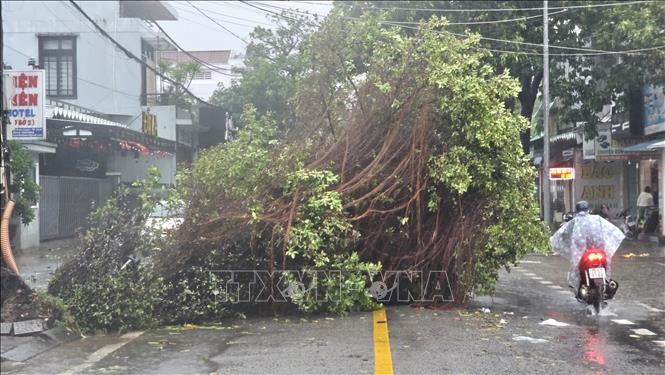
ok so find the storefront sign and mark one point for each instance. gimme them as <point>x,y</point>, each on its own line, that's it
<point>599,183</point>
<point>562,174</point>
<point>26,106</point>
<point>654,109</point>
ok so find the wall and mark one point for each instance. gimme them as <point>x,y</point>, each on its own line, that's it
<point>166,121</point>
<point>662,190</point>
<point>29,234</point>
<point>108,81</point>
<point>136,168</point>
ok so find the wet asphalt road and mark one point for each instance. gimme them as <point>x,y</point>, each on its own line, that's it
<point>507,340</point>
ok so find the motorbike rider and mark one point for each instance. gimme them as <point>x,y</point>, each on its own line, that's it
<point>582,232</point>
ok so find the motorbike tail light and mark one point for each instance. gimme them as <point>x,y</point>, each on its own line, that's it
<point>594,256</point>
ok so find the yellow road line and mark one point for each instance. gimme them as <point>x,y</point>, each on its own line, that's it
<point>383,359</point>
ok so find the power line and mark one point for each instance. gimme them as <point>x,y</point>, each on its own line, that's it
<point>593,52</point>
<point>77,76</point>
<point>132,56</point>
<point>217,23</point>
<point>203,63</point>
<point>515,9</point>
<point>484,22</point>
<point>225,15</point>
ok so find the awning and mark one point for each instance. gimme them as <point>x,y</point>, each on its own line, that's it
<point>647,146</point>
<point>657,145</point>
<point>55,128</point>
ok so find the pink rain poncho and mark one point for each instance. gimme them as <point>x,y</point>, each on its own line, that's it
<point>583,232</point>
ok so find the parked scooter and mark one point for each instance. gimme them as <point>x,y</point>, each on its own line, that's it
<point>629,225</point>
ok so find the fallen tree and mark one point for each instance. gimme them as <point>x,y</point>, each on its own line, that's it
<point>402,156</point>
<point>403,152</point>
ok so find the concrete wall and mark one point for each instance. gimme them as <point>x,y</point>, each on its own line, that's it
<point>166,121</point>
<point>132,168</point>
<point>108,81</point>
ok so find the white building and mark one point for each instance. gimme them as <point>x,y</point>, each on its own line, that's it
<point>217,70</point>
<point>99,114</point>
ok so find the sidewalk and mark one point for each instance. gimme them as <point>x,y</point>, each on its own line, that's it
<point>38,264</point>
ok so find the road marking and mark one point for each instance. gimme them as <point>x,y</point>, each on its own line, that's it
<point>530,274</point>
<point>530,261</point>
<point>383,360</point>
<point>659,343</point>
<point>652,309</point>
<point>643,332</point>
<point>102,352</point>
<point>662,264</point>
<point>564,291</point>
<point>623,322</point>
<point>545,282</point>
<point>555,287</point>
<point>537,278</point>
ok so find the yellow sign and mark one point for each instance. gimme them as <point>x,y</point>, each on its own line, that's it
<point>562,174</point>
<point>149,124</point>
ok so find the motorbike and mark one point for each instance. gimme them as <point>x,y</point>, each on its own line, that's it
<point>594,287</point>
<point>589,242</point>
<point>629,226</point>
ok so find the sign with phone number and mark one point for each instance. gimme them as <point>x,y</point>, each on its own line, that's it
<point>562,174</point>
<point>25,90</point>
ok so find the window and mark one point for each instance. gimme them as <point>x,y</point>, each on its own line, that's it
<point>57,56</point>
<point>203,74</point>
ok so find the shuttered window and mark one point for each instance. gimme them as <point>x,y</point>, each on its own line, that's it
<point>57,56</point>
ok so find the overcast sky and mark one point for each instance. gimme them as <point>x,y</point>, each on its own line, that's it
<point>194,32</point>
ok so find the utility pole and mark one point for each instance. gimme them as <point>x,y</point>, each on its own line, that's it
<point>547,199</point>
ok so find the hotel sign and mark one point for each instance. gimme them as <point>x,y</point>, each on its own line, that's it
<point>25,109</point>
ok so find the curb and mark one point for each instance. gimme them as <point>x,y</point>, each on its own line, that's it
<point>43,342</point>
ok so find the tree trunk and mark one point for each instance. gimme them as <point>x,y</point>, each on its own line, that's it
<point>527,98</point>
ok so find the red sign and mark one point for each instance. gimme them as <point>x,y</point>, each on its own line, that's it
<point>562,174</point>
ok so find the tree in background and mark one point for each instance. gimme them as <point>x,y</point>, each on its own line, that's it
<point>24,188</point>
<point>583,82</point>
<point>274,63</point>
<point>183,73</point>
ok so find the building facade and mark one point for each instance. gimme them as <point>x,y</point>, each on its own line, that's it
<point>100,128</point>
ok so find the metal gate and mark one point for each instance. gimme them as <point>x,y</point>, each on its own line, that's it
<point>65,202</point>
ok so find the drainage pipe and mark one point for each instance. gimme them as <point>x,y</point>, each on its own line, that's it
<point>7,255</point>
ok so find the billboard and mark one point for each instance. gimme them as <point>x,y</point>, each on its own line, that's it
<point>25,92</point>
<point>654,109</point>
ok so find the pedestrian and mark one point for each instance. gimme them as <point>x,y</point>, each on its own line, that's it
<point>605,212</point>
<point>644,201</point>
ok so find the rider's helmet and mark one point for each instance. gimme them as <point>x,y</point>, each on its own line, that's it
<point>582,206</point>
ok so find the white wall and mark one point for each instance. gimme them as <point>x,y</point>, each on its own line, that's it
<point>108,81</point>
<point>133,169</point>
<point>661,198</point>
<point>29,234</point>
<point>203,88</point>
<point>166,121</point>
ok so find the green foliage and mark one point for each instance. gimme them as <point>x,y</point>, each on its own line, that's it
<point>105,286</point>
<point>316,242</point>
<point>24,189</point>
<point>274,62</point>
<point>183,73</point>
<point>120,302</point>
<point>583,83</point>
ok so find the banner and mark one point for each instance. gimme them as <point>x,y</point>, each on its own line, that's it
<point>26,105</point>
<point>654,109</point>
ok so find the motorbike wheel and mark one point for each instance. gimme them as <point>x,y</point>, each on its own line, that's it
<point>599,286</point>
